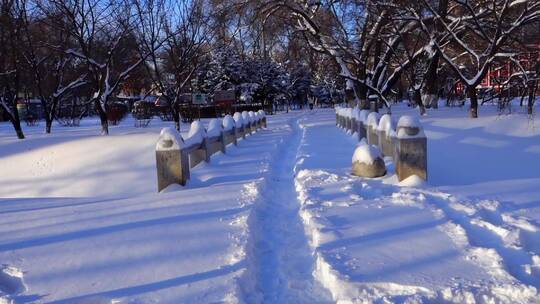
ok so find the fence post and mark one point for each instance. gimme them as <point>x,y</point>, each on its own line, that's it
<point>169,161</point>
<point>385,132</point>
<point>373,123</point>
<point>411,149</point>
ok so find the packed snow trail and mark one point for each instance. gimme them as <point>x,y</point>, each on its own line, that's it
<point>281,263</point>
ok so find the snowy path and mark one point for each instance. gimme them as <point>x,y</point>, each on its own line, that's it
<point>282,262</point>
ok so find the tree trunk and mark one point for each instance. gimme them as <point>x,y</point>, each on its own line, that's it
<point>18,129</point>
<point>532,93</point>
<point>417,98</point>
<point>16,121</point>
<point>102,117</point>
<point>471,91</point>
<point>48,124</point>
<point>176,117</point>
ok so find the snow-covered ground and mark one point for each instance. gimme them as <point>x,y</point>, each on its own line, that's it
<point>278,219</point>
<point>450,240</point>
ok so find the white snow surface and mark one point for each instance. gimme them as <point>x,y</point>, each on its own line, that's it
<point>277,219</point>
<point>380,241</point>
<point>80,230</point>
<point>366,154</point>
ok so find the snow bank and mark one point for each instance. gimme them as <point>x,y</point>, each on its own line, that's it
<point>228,123</point>
<point>238,120</point>
<point>196,134</point>
<point>169,139</point>
<point>366,154</point>
<point>373,120</point>
<point>214,127</point>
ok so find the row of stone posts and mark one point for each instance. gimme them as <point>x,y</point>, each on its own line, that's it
<point>405,142</point>
<point>175,156</point>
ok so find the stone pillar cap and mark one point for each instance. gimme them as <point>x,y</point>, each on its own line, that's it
<point>169,140</point>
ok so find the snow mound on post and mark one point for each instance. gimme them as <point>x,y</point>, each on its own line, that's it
<point>228,122</point>
<point>408,121</point>
<point>214,128</point>
<point>245,117</point>
<point>169,139</point>
<point>373,120</point>
<point>239,121</point>
<point>386,124</point>
<point>356,113</point>
<point>349,112</point>
<point>366,154</point>
<point>261,112</point>
<point>252,117</point>
<point>196,134</point>
<point>363,115</point>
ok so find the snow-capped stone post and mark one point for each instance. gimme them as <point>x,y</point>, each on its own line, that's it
<point>247,122</point>
<point>339,113</point>
<point>372,125</point>
<point>362,124</point>
<point>252,121</point>
<point>411,148</point>
<point>348,124</point>
<point>229,130</point>
<point>196,144</point>
<point>239,122</point>
<point>367,161</point>
<point>386,133</point>
<point>263,115</point>
<point>354,116</point>
<point>215,141</point>
<point>172,165</point>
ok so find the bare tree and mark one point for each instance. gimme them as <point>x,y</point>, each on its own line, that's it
<point>106,41</point>
<point>479,32</point>
<point>54,73</point>
<point>11,69</point>
<point>176,38</point>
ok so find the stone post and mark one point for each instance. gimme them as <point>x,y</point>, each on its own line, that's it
<point>373,103</point>
<point>171,166</point>
<point>411,149</point>
<point>222,141</point>
<point>372,124</point>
